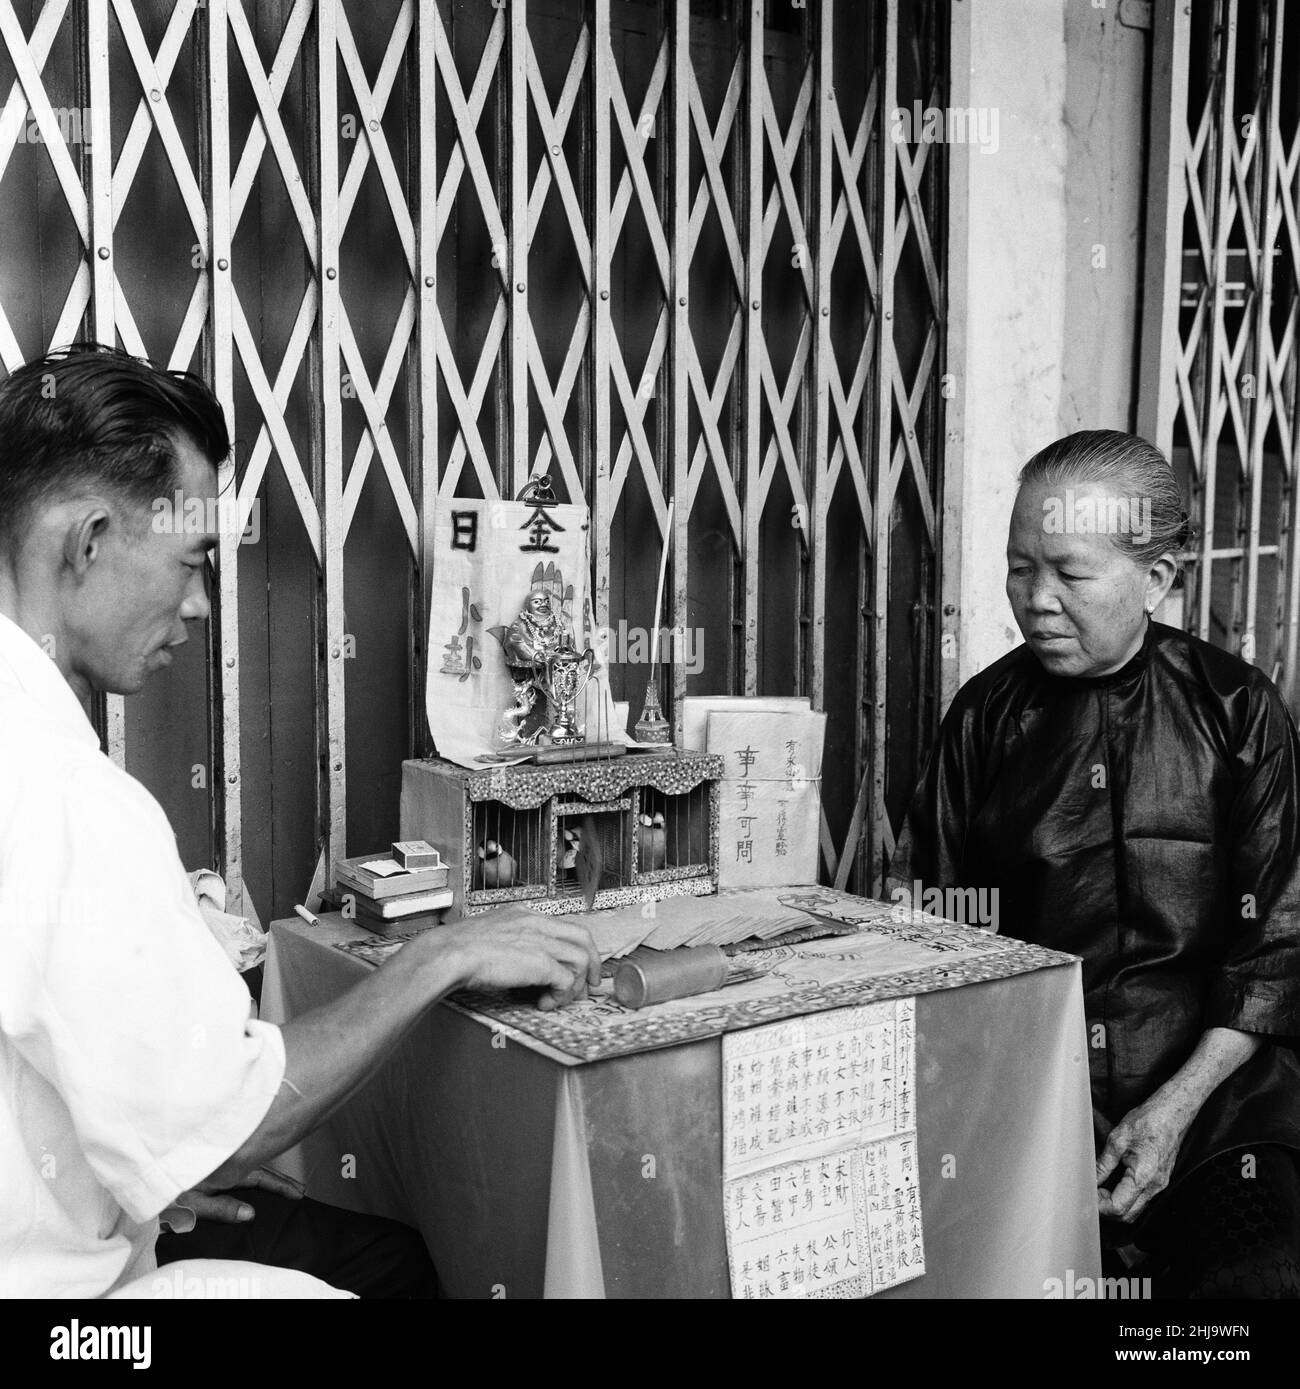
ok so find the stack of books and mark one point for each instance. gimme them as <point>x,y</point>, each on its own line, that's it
<point>403,891</point>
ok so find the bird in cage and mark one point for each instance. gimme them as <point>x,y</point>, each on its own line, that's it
<point>498,865</point>
<point>652,844</point>
<point>569,845</point>
<point>589,862</point>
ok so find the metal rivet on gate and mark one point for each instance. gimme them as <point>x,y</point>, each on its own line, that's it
<point>223,264</point>
<point>155,95</point>
<point>520,286</point>
<point>428,282</point>
<point>331,274</point>
<point>338,766</point>
<point>889,313</point>
<point>555,149</point>
<point>682,301</point>
<point>335,653</point>
<point>604,294</point>
<point>230,662</point>
<point>103,253</point>
<point>374,125</point>
<point>756,303</point>
<point>826,308</point>
<point>233,778</point>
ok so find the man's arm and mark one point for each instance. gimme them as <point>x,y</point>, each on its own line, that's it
<point>331,1051</point>
<point>1147,1139</point>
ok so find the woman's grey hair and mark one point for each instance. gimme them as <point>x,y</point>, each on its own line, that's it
<point>1130,468</point>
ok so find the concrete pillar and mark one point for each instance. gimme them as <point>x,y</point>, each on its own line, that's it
<point>1044,259</point>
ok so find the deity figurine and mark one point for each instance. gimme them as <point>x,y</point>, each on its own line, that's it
<point>536,634</point>
<point>538,630</point>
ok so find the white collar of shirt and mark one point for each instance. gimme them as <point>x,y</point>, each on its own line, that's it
<point>26,667</point>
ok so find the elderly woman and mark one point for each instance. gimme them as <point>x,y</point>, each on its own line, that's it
<point>1133,794</point>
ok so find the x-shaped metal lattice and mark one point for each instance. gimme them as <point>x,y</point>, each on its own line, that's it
<point>1229,372</point>
<point>741,394</point>
<point>28,96</point>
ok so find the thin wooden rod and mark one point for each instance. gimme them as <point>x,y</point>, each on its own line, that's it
<point>1211,415</point>
<point>519,238</point>
<point>604,75</point>
<point>429,321</point>
<point>227,783</point>
<point>755,90</point>
<point>330,714</point>
<point>680,290</point>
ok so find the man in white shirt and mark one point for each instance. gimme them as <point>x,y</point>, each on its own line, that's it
<point>130,1070</point>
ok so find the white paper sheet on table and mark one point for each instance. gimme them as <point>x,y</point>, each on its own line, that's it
<point>715,920</point>
<point>721,919</point>
<point>820,1183</point>
<point>383,867</point>
<point>884,946</point>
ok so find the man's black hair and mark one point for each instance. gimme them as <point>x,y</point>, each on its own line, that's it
<point>87,417</point>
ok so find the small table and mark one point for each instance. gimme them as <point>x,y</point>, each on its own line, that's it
<point>531,1178</point>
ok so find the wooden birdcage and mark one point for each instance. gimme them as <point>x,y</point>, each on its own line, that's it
<point>503,834</point>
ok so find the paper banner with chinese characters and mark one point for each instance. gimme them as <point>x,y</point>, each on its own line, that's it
<point>490,557</point>
<point>821,1189</point>
<point>770,797</point>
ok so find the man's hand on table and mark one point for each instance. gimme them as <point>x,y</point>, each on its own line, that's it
<point>332,1050</point>
<point>521,949</point>
<point>219,1206</point>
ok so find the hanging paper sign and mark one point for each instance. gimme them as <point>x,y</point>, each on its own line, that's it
<point>509,580</point>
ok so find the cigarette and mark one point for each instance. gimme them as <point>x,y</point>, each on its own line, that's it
<point>307,916</point>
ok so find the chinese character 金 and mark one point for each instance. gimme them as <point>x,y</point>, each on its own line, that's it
<point>539,527</point>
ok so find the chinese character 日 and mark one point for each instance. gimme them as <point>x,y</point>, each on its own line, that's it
<point>464,530</point>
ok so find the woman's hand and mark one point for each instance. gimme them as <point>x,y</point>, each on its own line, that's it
<point>1145,1144</point>
<point>1147,1139</point>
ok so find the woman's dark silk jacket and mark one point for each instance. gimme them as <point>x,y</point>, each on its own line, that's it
<point>1148,821</point>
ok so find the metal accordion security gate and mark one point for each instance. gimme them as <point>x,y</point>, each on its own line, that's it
<point>1222,309</point>
<point>672,251</point>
